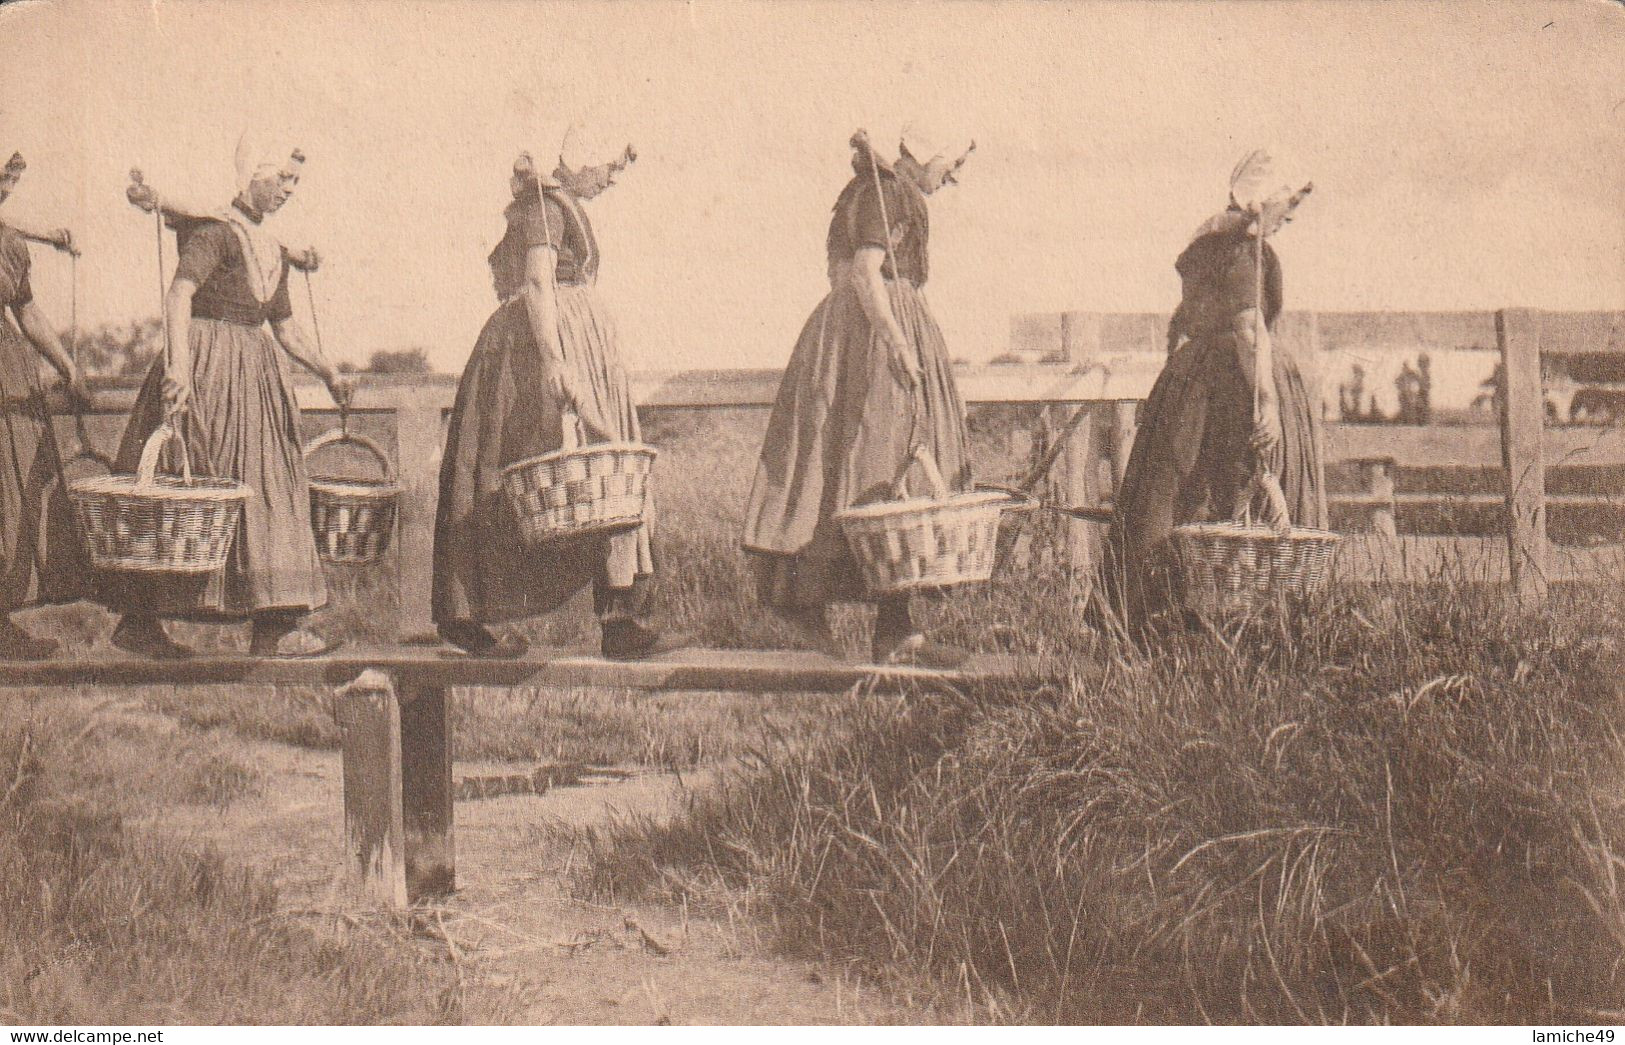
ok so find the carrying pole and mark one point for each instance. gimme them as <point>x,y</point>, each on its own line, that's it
<point>917,392</point>
<point>163,310</point>
<point>316,330</point>
<point>73,309</point>
<point>73,346</point>
<point>1260,331</point>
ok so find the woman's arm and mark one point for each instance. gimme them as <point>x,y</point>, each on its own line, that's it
<point>1176,328</point>
<point>869,280</point>
<point>178,358</point>
<point>1255,358</point>
<point>291,336</point>
<point>147,198</point>
<point>1245,327</point>
<point>178,211</point>
<point>38,330</point>
<point>60,238</point>
<point>542,307</point>
<point>541,296</point>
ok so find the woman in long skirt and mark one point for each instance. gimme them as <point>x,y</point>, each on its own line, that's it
<point>869,378</point>
<point>42,559</point>
<point>1198,438</point>
<point>225,386</point>
<point>548,351</point>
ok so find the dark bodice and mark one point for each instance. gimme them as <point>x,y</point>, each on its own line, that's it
<point>211,256</point>
<point>1220,279</point>
<point>553,219</point>
<point>858,223</point>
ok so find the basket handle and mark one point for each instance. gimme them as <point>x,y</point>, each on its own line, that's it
<point>933,475</point>
<point>1266,488</point>
<point>85,453</point>
<point>335,436</point>
<point>573,434</point>
<point>147,470</point>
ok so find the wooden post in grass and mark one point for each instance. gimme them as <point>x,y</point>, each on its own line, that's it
<point>1123,426</point>
<point>370,736</point>
<point>1379,482</point>
<point>426,789</point>
<point>417,426</point>
<point>1080,342</point>
<point>1523,424</point>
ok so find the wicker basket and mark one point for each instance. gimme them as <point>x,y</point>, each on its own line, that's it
<point>938,541</point>
<point>153,523</point>
<point>353,519</point>
<point>1230,569</point>
<point>579,490</point>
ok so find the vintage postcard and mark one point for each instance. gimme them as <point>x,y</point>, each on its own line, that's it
<point>735,513</point>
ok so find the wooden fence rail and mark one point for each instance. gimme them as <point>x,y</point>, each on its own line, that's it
<point>1107,379</point>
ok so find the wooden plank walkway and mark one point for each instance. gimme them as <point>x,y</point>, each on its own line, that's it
<point>756,671</point>
<point>393,702</point>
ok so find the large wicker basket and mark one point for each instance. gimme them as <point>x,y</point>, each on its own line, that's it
<point>1231,569</point>
<point>579,490</point>
<point>912,543</point>
<point>153,523</point>
<point>353,518</point>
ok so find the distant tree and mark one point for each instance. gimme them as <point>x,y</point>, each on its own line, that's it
<point>404,361</point>
<point>1424,391</point>
<point>1492,390</point>
<point>128,349</point>
<point>1350,393</point>
<point>121,349</point>
<point>1408,388</point>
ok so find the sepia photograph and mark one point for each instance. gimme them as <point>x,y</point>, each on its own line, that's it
<point>727,513</point>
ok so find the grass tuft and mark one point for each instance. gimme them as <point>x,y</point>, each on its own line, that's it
<point>1395,807</point>
<point>101,924</point>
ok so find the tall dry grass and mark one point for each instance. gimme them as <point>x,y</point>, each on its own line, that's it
<point>1392,807</point>
<point>104,920</point>
<point>526,723</point>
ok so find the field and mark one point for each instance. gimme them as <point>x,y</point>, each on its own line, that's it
<point>1397,806</point>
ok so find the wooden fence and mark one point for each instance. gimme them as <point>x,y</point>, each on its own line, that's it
<point>1107,379</point>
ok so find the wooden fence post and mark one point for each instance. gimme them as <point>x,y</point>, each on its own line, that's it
<point>418,422</point>
<point>1379,482</point>
<point>1523,424</point>
<point>1123,426</point>
<point>1080,342</point>
<point>426,790</point>
<point>370,737</point>
<point>1299,333</point>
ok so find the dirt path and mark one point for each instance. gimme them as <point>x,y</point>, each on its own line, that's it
<point>516,927</point>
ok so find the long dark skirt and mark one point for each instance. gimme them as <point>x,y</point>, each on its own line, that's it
<point>483,569</point>
<point>41,554</point>
<point>243,424</point>
<point>839,434</point>
<point>1192,458</point>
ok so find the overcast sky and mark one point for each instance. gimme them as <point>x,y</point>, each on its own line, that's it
<point>1465,155</point>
